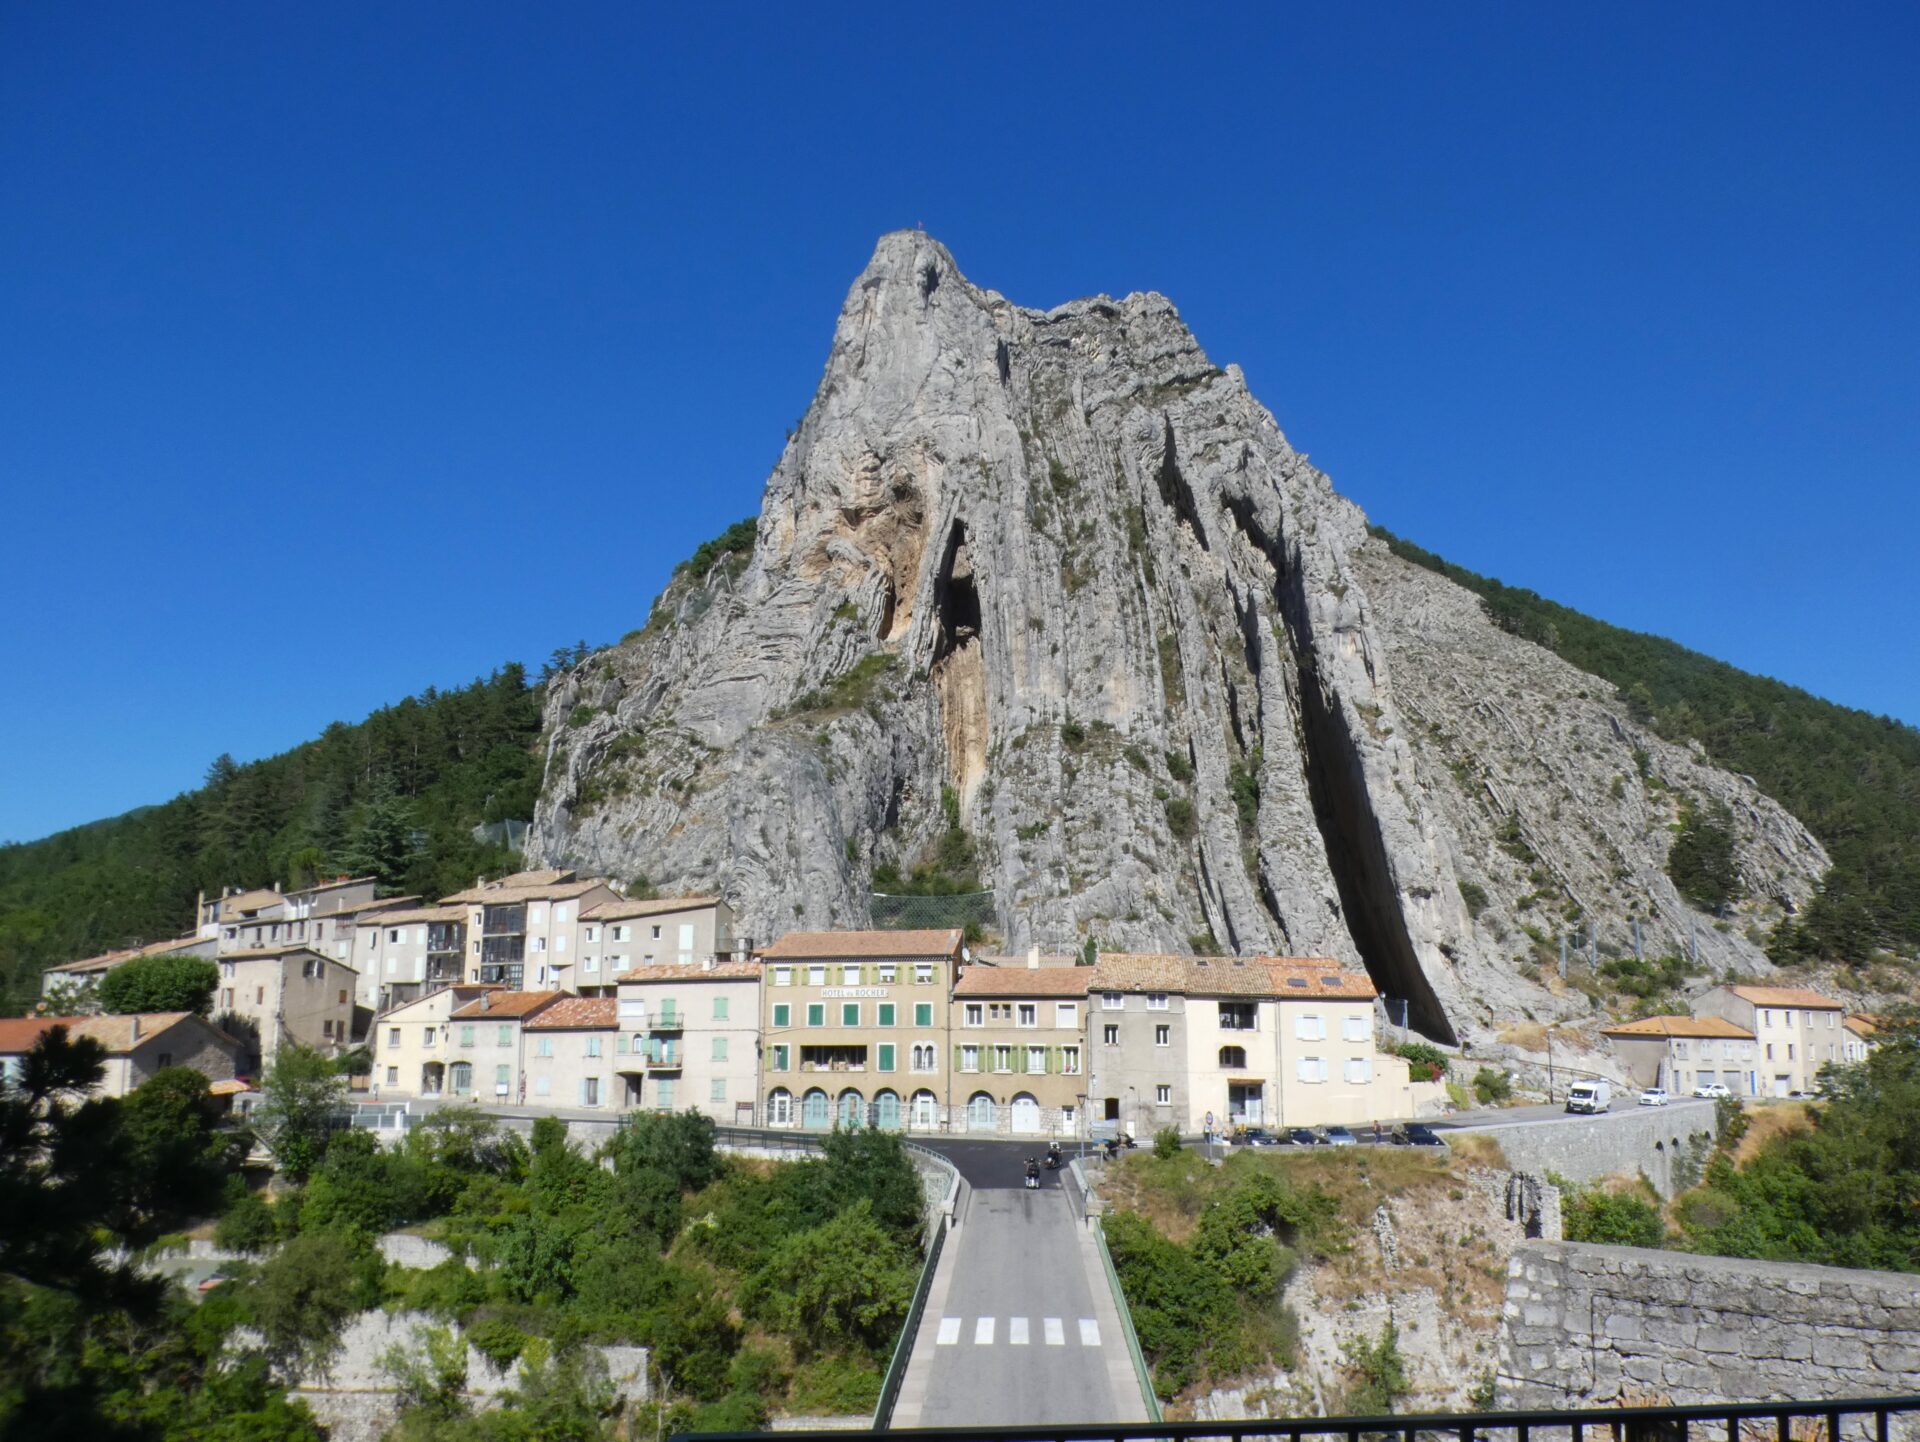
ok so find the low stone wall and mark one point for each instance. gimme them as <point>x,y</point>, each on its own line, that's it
<point>1587,1325</point>
<point>1647,1141</point>
<point>403,1249</point>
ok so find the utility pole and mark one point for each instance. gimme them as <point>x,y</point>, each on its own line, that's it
<point>1593,948</point>
<point>1637,955</point>
<point>1563,956</point>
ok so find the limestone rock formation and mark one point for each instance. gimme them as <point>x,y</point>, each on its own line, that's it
<point>1058,577</point>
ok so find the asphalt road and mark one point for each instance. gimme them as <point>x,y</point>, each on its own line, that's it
<point>992,1164</point>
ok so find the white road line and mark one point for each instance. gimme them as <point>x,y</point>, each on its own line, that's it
<point>1016,1331</point>
<point>1089,1332</point>
<point>1056,1334</point>
<point>983,1332</point>
<point>949,1332</point>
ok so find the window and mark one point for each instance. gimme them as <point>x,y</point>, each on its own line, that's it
<point>393,936</point>
<point>1027,1013</point>
<point>462,1079</point>
<point>1769,1051</point>
<point>1766,1018</point>
<point>969,1058</point>
<point>886,1056</point>
<point>883,1014</point>
<point>590,1091</point>
<point>849,1013</point>
<point>593,1046</point>
<point>923,1056</point>
<point>923,976</point>
<point>1233,1058</point>
<point>718,1092</point>
<point>719,1048</point>
<point>393,1076</point>
<point>923,1013</point>
<point>542,1086</point>
<point>1359,1070</point>
<point>502,1080</point>
<point>1308,1027</point>
<point>543,1047</point>
<point>343,996</point>
<point>539,944</point>
<point>393,1036</point>
<point>1790,1051</point>
<point>259,996</point>
<point>816,976</point>
<point>1036,1060</point>
<point>1163,1035</point>
<point>1680,1050</point>
<point>428,1038</point>
<point>1112,1001</point>
<point>593,933</point>
<point>720,1008</point>
<point>1156,1001</point>
<point>1833,1020</point>
<point>1163,1095</point>
<point>560,913</point>
<point>592,963</point>
<point>973,1014</point>
<point>849,976</point>
<point>783,976</point>
<point>782,1014</point>
<point>1312,1069</point>
<point>1070,1061</point>
<point>781,1054</point>
<point>816,1013</point>
<point>1112,1037</point>
<point>466,1036</point>
<point>1066,1014</point>
<point>889,974</point>
<point>1355,1028</point>
<point>1003,1058</point>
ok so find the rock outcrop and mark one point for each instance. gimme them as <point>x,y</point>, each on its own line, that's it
<point>1059,578</point>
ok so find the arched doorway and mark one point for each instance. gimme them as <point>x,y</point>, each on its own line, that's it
<point>1026,1113</point>
<point>926,1110</point>
<point>853,1109</point>
<point>980,1112</point>
<point>462,1074</point>
<point>780,1108</point>
<point>815,1110</point>
<point>886,1111</point>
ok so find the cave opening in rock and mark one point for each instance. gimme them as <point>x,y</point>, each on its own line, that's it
<point>956,600</point>
<point>959,671</point>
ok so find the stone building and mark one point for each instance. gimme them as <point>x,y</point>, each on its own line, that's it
<point>1019,1046</point>
<point>567,1056</point>
<point>854,1026</point>
<point>137,1045</point>
<point>289,993</point>
<point>484,1036</point>
<point>405,952</point>
<point>689,1037</point>
<point>1679,1053</point>
<point>1137,1044</point>
<point>622,935</point>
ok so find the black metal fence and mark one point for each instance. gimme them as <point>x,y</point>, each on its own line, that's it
<point>1864,1419</point>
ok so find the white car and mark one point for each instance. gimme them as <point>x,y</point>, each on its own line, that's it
<point>1653,1097</point>
<point>1712,1091</point>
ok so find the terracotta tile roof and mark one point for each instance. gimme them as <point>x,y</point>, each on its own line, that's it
<point>1796,996</point>
<point>230,1088</point>
<point>1681,1026</point>
<point>1129,971</point>
<point>659,906</point>
<point>577,1013</point>
<point>1862,1025</point>
<point>280,953</point>
<point>255,900</point>
<point>1322,978</point>
<point>832,945</point>
<point>506,893</point>
<point>115,1033</point>
<point>1019,979</point>
<point>337,882</point>
<point>412,914</point>
<point>109,959</point>
<point>663,972</point>
<point>506,1005</point>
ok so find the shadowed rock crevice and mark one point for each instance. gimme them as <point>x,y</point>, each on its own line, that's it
<point>1175,491</point>
<point>959,670</point>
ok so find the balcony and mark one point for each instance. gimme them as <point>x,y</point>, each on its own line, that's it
<point>503,950</point>
<point>665,1059</point>
<point>507,975</point>
<point>668,1021</point>
<point>505,921</point>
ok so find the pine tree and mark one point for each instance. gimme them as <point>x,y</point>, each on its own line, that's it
<point>382,845</point>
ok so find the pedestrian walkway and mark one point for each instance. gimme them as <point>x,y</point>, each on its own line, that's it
<point>1053,1332</point>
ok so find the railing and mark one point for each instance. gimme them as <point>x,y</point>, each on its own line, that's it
<point>1141,1372</point>
<point>1860,1419</point>
<point>903,1345</point>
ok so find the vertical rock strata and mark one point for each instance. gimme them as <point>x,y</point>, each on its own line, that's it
<point>1059,572</point>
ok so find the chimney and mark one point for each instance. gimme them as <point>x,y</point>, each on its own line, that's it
<point>1033,958</point>
<point>486,1001</point>
<point>707,963</point>
<point>136,1027</point>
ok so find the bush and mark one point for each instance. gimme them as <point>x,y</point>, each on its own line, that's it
<point>1376,1374</point>
<point>1166,1142</point>
<point>1492,1087</point>
<point>1426,1062</point>
<point>159,983</point>
<point>1475,897</point>
<point>248,1225</point>
<point>1617,1218</point>
<point>1181,820</point>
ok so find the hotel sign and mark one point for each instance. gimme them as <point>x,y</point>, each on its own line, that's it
<point>855,991</point>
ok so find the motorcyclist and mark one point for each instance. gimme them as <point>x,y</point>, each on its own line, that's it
<point>1033,1172</point>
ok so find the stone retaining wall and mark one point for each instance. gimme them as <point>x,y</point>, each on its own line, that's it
<point>1586,1325</point>
<point>1647,1141</point>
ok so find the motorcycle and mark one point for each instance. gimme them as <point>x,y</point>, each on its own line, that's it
<point>1053,1161</point>
<point>1033,1175</point>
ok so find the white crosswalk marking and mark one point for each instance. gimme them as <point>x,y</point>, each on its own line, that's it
<point>1089,1332</point>
<point>1016,1331</point>
<point>949,1332</point>
<point>1056,1334</point>
<point>983,1332</point>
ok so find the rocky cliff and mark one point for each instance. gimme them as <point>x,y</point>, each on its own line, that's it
<point>1059,579</point>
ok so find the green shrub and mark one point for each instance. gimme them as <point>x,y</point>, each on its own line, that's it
<point>1426,1062</point>
<point>159,983</point>
<point>1181,819</point>
<point>1073,735</point>
<point>1475,896</point>
<point>1376,1374</point>
<point>1179,766</point>
<point>1492,1087</point>
<point>1166,1142</point>
<point>247,1225</point>
<point>498,1340</point>
<point>1618,1218</point>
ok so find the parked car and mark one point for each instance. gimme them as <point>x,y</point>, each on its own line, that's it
<point>1416,1134</point>
<point>1712,1091</point>
<point>1653,1097</point>
<point>1303,1137</point>
<point>1255,1137</point>
<point>1336,1137</point>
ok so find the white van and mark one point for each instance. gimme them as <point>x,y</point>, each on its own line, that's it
<point>1593,1096</point>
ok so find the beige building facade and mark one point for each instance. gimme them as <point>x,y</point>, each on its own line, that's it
<point>1796,1032</point>
<point>620,936</point>
<point>288,994</point>
<point>854,1028</point>
<point>688,1038</point>
<point>404,952</point>
<point>1679,1053</point>
<point>521,929</point>
<point>487,1046</point>
<point>410,1043</point>
<point>137,1046</point>
<point>1019,1051</point>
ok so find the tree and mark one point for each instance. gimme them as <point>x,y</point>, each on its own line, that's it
<point>382,845</point>
<point>160,983</point>
<point>300,1093</point>
<point>178,1155</point>
<point>1702,862</point>
<point>677,1145</point>
<point>842,1286</point>
<point>304,1294</point>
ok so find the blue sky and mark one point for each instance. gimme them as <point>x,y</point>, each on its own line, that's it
<point>349,349</point>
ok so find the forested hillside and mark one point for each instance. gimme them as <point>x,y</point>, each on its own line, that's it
<point>1853,778</point>
<point>397,796</point>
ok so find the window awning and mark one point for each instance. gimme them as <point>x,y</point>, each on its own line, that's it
<point>1246,1081</point>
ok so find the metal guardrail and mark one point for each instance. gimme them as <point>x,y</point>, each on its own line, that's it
<point>1858,1419</point>
<point>1142,1373</point>
<point>903,1346</point>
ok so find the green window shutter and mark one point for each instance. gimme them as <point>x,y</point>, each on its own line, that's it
<point>923,1013</point>
<point>503,1036</point>
<point>885,1017</point>
<point>886,1056</point>
<point>816,1013</point>
<point>719,1048</point>
<point>956,1058</point>
<point>719,1008</point>
<point>782,1014</point>
<point>849,1013</point>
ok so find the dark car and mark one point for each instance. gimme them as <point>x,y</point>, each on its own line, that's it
<point>1255,1137</point>
<point>1417,1134</point>
<point>1303,1137</point>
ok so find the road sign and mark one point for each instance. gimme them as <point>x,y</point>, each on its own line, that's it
<point>1209,1121</point>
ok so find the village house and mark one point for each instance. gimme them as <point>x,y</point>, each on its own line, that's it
<point>137,1046</point>
<point>568,1054</point>
<point>409,1040</point>
<point>1679,1053</point>
<point>854,1026</point>
<point>1796,1032</point>
<point>282,994</point>
<point>75,979</point>
<point>1019,1046</point>
<point>1137,1044</point>
<point>321,916</point>
<point>521,928</point>
<point>485,1044</point>
<point>408,951</point>
<point>689,1038</point>
<point>620,935</point>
